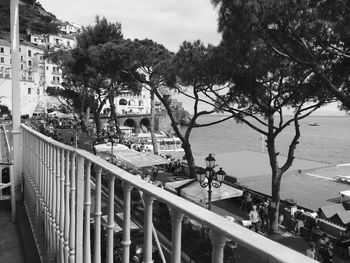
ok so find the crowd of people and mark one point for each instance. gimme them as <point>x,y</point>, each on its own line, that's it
<point>321,249</point>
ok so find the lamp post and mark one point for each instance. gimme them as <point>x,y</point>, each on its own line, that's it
<point>210,177</point>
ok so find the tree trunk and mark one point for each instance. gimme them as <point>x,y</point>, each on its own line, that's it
<point>190,159</point>
<point>184,139</point>
<point>97,118</point>
<point>153,136</point>
<point>114,115</point>
<point>275,200</point>
<point>276,176</point>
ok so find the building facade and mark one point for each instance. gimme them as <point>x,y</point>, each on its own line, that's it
<point>36,72</point>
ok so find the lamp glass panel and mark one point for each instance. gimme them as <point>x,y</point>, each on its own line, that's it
<point>220,177</point>
<point>200,177</point>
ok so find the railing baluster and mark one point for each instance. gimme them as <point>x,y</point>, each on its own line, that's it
<point>218,241</point>
<point>87,250</point>
<point>98,213</point>
<point>44,193</point>
<point>72,211</point>
<point>126,222</point>
<point>58,200</point>
<point>147,239</point>
<point>176,220</point>
<point>49,205</point>
<point>110,225</point>
<point>62,206</point>
<point>67,207</point>
<point>79,228</point>
<point>53,201</point>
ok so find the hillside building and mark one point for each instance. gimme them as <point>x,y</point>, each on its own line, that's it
<point>38,73</point>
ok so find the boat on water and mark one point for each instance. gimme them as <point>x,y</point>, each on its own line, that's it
<point>166,143</point>
<point>314,124</point>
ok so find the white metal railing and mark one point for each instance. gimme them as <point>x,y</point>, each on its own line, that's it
<point>57,197</point>
<point>6,161</point>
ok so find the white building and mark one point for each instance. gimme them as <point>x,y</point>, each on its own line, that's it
<point>131,103</point>
<point>70,28</point>
<point>31,75</point>
<point>37,73</point>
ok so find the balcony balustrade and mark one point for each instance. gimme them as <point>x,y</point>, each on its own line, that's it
<point>57,197</point>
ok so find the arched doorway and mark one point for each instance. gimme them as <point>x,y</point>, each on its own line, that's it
<point>131,123</point>
<point>145,124</point>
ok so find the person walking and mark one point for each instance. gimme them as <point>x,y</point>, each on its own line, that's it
<point>327,254</point>
<point>323,246</point>
<point>254,218</point>
<point>311,251</point>
<point>264,216</point>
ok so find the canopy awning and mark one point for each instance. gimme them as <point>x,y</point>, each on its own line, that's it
<point>139,159</point>
<point>337,210</point>
<point>61,115</point>
<point>191,190</point>
<point>107,147</point>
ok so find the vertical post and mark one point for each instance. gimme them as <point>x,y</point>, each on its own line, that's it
<point>16,92</point>
<point>62,205</point>
<point>110,225</point>
<point>79,209</point>
<point>147,240</point>
<point>98,213</point>
<point>87,250</point>
<point>126,222</point>
<point>66,207</point>
<point>13,197</point>
<point>57,203</point>
<point>176,220</point>
<point>209,194</point>
<point>50,200</point>
<point>53,200</point>
<point>218,241</point>
<point>72,211</point>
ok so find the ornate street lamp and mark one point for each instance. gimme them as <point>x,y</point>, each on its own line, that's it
<point>209,177</point>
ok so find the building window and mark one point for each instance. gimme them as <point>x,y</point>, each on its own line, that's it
<point>56,79</point>
<point>2,60</point>
<point>20,49</point>
<point>1,50</point>
<point>47,67</point>
<point>29,63</point>
<point>35,39</point>
<point>29,90</point>
<point>21,58</point>
<point>29,53</point>
<point>38,91</point>
<point>21,66</point>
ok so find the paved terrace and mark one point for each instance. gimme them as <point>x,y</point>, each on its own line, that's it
<point>313,188</point>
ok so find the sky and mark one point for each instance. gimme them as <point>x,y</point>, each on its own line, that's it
<point>168,22</point>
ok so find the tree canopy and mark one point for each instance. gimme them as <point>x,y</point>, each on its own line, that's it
<point>314,34</point>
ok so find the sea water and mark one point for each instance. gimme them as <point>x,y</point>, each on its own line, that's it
<point>328,142</point>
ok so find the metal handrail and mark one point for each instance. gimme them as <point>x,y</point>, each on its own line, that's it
<point>267,249</point>
<point>9,163</point>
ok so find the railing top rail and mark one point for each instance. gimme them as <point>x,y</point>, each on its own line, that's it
<point>7,144</point>
<point>261,245</point>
